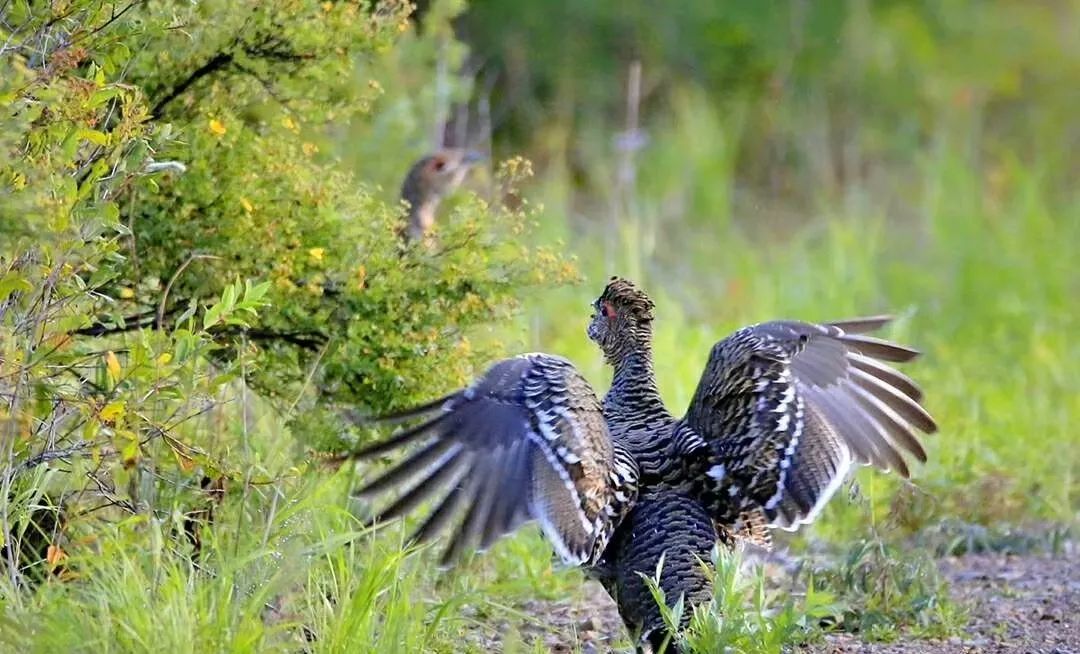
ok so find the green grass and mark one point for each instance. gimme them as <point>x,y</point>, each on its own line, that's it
<point>305,571</point>
<point>979,269</point>
<point>883,592</point>
<point>744,615</point>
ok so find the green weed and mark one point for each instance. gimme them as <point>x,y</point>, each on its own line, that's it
<point>883,591</point>
<point>745,615</point>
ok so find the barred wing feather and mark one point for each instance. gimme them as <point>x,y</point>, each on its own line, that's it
<point>784,408</point>
<point>527,441</point>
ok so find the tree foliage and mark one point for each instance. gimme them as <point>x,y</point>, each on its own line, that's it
<point>875,79</point>
<point>170,227</point>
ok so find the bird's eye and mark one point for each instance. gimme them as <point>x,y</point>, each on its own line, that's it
<point>438,164</point>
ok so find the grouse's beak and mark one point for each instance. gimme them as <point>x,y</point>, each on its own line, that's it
<point>472,157</point>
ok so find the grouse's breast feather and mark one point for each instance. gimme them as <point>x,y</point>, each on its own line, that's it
<point>526,441</point>
<point>785,407</point>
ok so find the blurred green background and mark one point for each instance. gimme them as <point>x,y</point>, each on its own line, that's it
<point>819,160</point>
<point>741,161</point>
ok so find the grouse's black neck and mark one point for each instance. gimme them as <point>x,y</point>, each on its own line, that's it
<point>633,387</point>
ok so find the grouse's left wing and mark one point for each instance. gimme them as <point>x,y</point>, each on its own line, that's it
<point>526,441</point>
<point>784,407</point>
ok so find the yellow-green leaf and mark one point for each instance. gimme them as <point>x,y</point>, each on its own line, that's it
<point>112,411</point>
<point>113,364</point>
<point>12,282</point>
<point>94,136</point>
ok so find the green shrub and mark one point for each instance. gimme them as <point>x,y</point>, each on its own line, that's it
<point>171,235</point>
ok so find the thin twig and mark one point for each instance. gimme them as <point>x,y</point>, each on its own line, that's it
<point>45,457</point>
<point>245,443</point>
<point>483,117</point>
<point>307,378</point>
<point>113,18</point>
<point>309,340</point>
<point>627,144</point>
<point>160,319</point>
<point>442,97</point>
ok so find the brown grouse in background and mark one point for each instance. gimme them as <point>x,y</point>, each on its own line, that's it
<point>428,182</point>
<point>781,414</point>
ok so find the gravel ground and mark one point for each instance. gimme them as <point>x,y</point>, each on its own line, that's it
<point>1028,604</point>
<point>1025,604</point>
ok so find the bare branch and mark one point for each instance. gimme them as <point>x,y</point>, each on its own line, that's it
<point>220,61</point>
<point>44,457</point>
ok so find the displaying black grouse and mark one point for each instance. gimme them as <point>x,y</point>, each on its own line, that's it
<point>782,412</point>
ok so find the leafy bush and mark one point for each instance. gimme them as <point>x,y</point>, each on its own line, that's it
<point>172,236</point>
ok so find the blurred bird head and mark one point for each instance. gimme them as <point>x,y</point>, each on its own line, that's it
<point>622,319</point>
<point>436,175</point>
<point>431,179</point>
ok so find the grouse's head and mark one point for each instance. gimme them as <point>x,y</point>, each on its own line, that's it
<point>623,318</point>
<point>436,175</point>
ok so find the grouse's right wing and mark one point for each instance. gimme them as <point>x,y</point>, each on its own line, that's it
<point>527,441</point>
<point>784,407</point>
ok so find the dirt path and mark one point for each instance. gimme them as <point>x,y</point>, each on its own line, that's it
<point>1024,604</point>
<point>1017,604</point>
